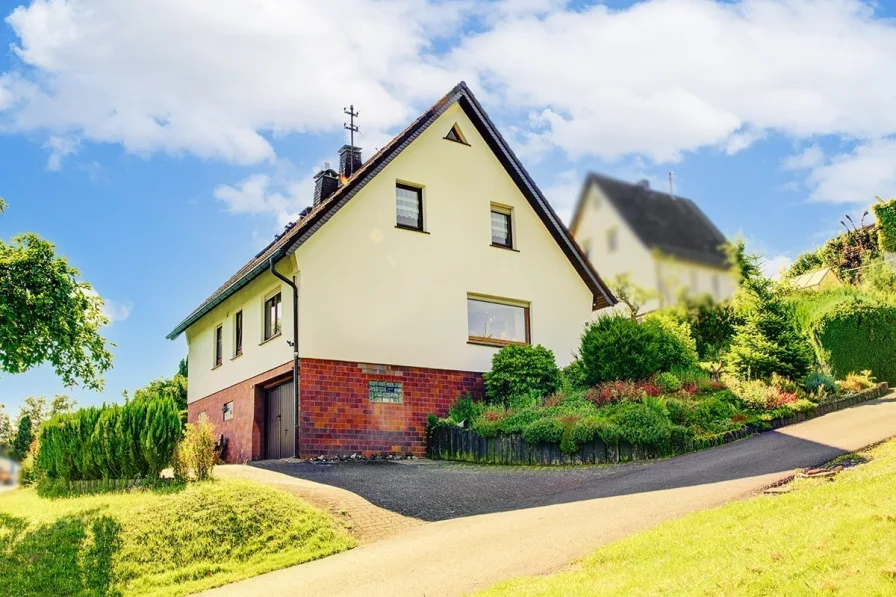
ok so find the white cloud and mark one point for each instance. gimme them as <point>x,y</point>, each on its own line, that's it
<point>117,311</point>
<point>280,195</point>
<point>219,78</point>
<point>215,77</point>
<point>59,148</point>
<point>563,194</point>
<point>856,176</point>
<point>807,159</point>
<point>665,77</point>
<point>772,266</point>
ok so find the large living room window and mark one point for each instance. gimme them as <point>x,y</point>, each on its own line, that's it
<point>497,322</point>
<point>272,313</point>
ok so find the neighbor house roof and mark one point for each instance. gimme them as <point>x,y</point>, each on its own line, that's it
<point>291,239</point>
<point>673,225</point>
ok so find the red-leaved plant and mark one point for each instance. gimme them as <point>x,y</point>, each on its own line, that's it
<point>780,399</point>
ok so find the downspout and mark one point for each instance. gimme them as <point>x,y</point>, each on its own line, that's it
<point>295,349</point>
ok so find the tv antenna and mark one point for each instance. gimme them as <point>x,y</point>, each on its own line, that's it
<point>671,190</point>
<point>352,128</point>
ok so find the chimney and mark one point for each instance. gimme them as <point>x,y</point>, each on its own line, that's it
<point>326,182</point>
<point>349,160</point>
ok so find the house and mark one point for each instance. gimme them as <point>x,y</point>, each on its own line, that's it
<point>665,244</point>
<point>820,279</point>
<point>407,274</point>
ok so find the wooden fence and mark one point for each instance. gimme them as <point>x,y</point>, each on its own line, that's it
<point>454,443</point>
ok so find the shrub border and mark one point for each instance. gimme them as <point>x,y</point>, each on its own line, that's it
<point>465,445</point>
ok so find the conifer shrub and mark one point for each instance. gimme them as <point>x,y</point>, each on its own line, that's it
<point>136,440</point>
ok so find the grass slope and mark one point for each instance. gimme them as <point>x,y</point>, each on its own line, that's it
<point>823,538</point>
<point>156,543</point>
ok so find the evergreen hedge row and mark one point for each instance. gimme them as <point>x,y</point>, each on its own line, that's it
<point>133,441</point>
<point>851,333</point>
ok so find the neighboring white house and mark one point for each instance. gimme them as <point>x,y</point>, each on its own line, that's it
<point>412,269</point>
<point>664,243</point>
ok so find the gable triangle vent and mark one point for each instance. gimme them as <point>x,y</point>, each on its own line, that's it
<point>455,135</point>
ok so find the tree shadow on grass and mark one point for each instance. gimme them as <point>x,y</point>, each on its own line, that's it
<point>70,556</point>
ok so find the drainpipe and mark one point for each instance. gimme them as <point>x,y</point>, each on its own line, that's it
<point>295,349</point>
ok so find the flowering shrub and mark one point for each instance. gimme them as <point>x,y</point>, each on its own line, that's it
<point>610,392</point>
<point>780,398</point>
<point>856,382</point>
<point>649,388</point>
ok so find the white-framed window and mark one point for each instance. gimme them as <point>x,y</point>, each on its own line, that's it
<point>219,346</point>
<point>586,248</point>
<point>273,312</point>
<point>502,226</point>
<point>497,322</point>
<point>612,240</point>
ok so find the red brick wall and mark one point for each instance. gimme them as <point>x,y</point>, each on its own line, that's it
<point>244,430</point>
<point>337,416</point>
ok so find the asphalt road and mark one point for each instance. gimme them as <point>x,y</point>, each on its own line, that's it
<point>552,526</point>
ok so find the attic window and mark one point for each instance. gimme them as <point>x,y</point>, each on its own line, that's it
<point>455,135</point>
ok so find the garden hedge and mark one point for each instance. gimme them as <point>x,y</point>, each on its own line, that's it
<point>885,213</point>
<point>851,332</point>
<point>132,441</point>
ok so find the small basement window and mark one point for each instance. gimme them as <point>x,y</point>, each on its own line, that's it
<point>497,323</point>
<point>502,227</point>
<point>227,410</point>
<point>408,207</point>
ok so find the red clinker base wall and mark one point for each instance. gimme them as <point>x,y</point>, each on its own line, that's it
<point>244,431</point>
<point>336,415</point>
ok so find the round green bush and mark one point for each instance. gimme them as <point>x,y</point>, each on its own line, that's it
<point>619,348</point>
<point>548,430</point>
<point>643,426</point>
<point>667,382</point>
<point>519,371</point>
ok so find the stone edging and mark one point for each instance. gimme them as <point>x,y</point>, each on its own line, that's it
<point>448,443</point>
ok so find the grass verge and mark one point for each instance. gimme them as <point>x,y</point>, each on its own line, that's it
<point>824,537</point>
<point>163,543</point>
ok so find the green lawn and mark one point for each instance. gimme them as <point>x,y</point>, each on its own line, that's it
<point>156,543</point>
<point>823,538</point>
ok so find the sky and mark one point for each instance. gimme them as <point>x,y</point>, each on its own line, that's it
<point>161,145</point>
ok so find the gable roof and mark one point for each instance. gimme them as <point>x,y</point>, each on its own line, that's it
<point>673,225</point>
<point>290,240</point>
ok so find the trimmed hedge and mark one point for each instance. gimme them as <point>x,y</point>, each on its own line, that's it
<point>132,441</point>
<point>851,332</point>
<point>885,213</point>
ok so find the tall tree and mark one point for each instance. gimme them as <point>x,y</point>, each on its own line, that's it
<point>766,339</point>
<point>174,388</point>
<point>183,367</point>
<point>48,316</point>
<point>24,437</point>
<point>6,432</point>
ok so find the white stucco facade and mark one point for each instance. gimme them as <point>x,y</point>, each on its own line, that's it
<point>374,293</point>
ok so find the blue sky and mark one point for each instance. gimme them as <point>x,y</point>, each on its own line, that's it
<point>160,148</point>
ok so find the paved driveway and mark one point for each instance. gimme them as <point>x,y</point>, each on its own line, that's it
<point>438,490</point>
<point>552,526</point>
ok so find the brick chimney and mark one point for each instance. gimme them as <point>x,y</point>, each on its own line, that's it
<point>349,160</point>
<point>326,182</point>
